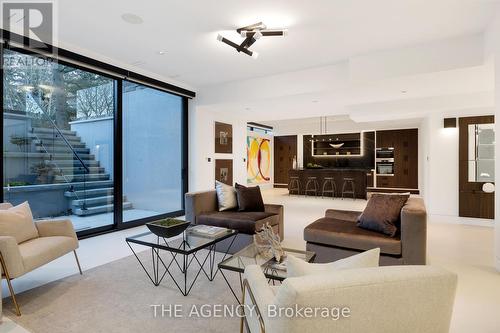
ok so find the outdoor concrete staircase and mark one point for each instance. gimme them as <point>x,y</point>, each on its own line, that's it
<point>90,193</point>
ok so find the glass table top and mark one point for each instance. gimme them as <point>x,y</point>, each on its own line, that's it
<point>250,256</point>
<point>185,243</point>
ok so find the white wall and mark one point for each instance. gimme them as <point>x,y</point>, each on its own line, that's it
<point>440,167</point>
<point>202,147</point>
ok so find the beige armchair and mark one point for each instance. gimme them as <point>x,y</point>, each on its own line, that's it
<point>55,238</point>
<point>410,299</point>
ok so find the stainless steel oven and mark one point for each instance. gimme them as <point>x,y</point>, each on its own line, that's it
<point>385,161</point>
<point>385,168</point>
<point>384,153</point>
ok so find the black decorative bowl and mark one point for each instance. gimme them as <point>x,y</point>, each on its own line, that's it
<point>167,227</point>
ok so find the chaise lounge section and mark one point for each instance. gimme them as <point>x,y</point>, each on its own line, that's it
<point>202,208</point>
<point>337,236</point>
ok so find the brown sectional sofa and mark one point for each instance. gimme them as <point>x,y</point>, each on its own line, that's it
<point>336,236</point>
<point>202,208</point>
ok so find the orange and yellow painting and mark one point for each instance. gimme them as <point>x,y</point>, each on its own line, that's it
<point>258,158</point>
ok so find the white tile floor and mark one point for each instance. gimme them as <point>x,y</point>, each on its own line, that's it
<point>466,250</point>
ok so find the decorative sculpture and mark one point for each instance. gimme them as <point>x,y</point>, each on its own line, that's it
<point>268,244</point>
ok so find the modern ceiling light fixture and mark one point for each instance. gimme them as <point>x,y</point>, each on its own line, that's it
<point>251,33</point>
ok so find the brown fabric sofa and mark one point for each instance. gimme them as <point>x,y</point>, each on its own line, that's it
<point>202,208</point>
<point>336,236</point>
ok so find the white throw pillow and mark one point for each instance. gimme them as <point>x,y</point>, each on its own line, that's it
<point>226,196</point>
<point>18,223</point>
<point>298,267</point>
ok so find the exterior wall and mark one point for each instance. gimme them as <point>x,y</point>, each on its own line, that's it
<point>45,200</point>
<point>97,134</point>
<point>152,175</point>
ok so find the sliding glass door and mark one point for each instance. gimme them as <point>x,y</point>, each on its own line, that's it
<point>58,140</point>
<point>152,152</point>
<point>68,130</point>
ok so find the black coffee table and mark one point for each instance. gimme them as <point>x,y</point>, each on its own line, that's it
<point>185,246</point>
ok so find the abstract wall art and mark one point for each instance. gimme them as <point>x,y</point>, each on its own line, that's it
<point>258,158</point>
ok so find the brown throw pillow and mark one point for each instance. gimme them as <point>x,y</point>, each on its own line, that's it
<point>382,213</point>
<point>249,199</point>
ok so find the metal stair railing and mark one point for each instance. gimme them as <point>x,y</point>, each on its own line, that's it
<point>60,134</point>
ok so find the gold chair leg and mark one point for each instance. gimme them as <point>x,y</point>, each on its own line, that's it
<point>7,277</point>
<point>78,262</point>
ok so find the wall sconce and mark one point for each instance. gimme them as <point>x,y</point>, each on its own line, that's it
<point>450,122</point>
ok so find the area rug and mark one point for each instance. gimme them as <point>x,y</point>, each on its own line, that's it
<point>119,297</point>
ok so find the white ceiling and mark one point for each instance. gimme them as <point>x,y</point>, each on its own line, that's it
<point>320,32</point>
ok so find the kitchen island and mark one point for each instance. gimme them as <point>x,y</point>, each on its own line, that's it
<point>358,174</point>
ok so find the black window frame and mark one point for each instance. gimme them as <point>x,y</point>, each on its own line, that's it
<point>119,75</point>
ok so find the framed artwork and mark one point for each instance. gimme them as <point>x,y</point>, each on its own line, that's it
<point>224,171</point>
<point>223,138</point>
<point>258,158</point>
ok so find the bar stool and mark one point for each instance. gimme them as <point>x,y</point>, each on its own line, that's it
<point>329,181</point>
<point>314,182</point>
<point>293,185</point>
<point>349,182</point>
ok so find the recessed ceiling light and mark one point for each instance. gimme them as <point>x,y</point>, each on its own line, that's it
<point>162,52</point>
<point>404,91</point>
<point>248,109</point>
<point>315,101</point>
<point>132,18</point>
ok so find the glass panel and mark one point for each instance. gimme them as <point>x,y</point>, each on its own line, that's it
<point>152,152</point>
<point>58,140</point>
<point>481,153</point>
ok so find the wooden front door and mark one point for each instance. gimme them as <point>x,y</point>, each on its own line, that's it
<point>285,149</point>
<point>476,166</point>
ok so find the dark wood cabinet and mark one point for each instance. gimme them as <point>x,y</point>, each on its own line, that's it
<point>473,201</point>
<point>369,179</point>
<point>405,144</point>
<point>385,139</point>
<point>285,149</point>
<point>385,181</point>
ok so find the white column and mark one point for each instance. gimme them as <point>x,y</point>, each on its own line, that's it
<point>497,159</point>
<point>492,54</point>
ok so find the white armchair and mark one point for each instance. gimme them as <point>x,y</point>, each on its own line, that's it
<point>48,240</point>
<point>380,299</point>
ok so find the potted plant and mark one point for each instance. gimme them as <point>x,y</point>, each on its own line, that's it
<point>169,227</point>
<point>20,141</point>
<point>44,172</point>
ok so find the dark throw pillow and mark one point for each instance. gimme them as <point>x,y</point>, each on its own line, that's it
<point>382,213</point>
<point>249,199</point>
